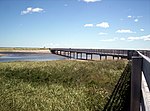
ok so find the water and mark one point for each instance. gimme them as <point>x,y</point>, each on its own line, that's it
<point>22,56</point>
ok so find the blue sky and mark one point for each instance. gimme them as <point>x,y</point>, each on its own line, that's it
<point>115,24</point>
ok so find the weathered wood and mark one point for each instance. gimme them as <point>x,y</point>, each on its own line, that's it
<point>77,55</point>
<point>145,95</point>
<point>91,56</point>
<point>113,57</point>
<point>100,57</point>
<point>146,70</point>
<point>105,57</point>
<point>107,52</point>
<point>70,54</point>
<point>73,54</point>
<point>81,56</point>
<point>86,56</point>
<point>136,83</point>
<point>118,57</point>
<point>65,53</point>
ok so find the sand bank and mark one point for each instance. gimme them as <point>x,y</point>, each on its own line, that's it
<point>27,51</point>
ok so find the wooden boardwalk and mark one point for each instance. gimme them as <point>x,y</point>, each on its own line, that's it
<point>140,71</point>
<point>87,54</point>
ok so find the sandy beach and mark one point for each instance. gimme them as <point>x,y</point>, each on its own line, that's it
<point>27,51</point>
<point>2,55</point>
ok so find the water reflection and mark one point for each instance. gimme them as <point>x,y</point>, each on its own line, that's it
<point>22,56</point>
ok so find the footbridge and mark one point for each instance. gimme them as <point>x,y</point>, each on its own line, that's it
<point>132,91</point>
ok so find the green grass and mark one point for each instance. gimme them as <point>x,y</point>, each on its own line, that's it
<point>57,85</point>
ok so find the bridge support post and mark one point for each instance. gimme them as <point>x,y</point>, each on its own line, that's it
<point>86,56</point>
<point>65,53</point>
<point>68,54</point>
<point>100,57</point>
<point>131,53</point>
<point>81,55</point>
<point>57,52</point>
<point>105,57</point>
<point>113,57</point>
<point>71,55</point>
<point>74,55</point>
<point>91,56</point>
<point>135,83</point>
<point>118,57</point>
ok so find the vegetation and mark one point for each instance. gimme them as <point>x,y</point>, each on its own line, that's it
<point>58,85</point>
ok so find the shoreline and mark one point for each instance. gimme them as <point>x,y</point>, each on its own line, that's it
<point>25,51</point>
<point>2,55</point>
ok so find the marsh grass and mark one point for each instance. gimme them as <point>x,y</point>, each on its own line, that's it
<point>64,85</point>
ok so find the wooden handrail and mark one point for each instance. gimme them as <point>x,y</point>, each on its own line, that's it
<point>144,84</point>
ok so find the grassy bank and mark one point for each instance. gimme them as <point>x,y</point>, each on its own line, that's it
<point>57,85</point>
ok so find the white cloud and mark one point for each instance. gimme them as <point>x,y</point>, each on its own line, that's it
<point>37,10</point>
<point>31,10</point>
<point>103,25</point>
<point>136,20</point>
<point>145,38</point>
<point>102,33</point>
<point>124,31</point>
<point>134,17</point>
<point>139,16</point>
<point>122,38</point>
<point>88,25</point>
<point>90,1</point>
<point>109,40</point>
<point>113,39</point>
<point>129,16</point>
<point>142,30</point>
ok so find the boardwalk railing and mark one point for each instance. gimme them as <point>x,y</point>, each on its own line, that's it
<point>139,77</point>
<point>140,83</point>
<point>88,53</point>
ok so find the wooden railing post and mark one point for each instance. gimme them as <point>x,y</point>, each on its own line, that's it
<point>129,54</point>
<point>136,83</point>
